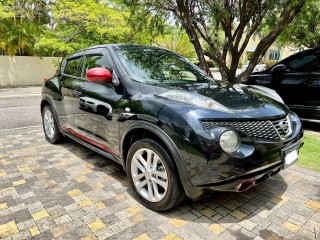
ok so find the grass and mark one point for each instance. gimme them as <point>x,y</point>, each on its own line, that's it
<point>310,152</point>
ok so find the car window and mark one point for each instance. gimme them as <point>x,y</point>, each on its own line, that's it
<point>157,66</point>
<point>313,66</point>
<point>93,61</point>
<point>72,67</point>
<point>303,62</point>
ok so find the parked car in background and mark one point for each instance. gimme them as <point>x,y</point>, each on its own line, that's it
<point>259,67</point>
<point>297,80</point>
<point>175,131</point>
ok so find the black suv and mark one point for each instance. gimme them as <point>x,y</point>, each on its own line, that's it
<point>297,80</point>
<point>175,131</point>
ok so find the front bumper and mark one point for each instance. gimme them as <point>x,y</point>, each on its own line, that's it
<point>240,183</point>
<point>208,169</point>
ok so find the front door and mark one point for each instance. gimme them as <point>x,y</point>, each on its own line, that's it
<point>95,115</point>
<point>300,87</point>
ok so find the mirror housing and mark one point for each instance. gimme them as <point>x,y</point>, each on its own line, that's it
<point>99,75</point>
<point>205,72</point>
<point>280,68</point>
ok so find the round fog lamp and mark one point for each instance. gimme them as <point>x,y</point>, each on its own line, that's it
<point>230,141</point>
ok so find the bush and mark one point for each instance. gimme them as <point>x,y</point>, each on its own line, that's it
<point>240,64</point>
<point>269,63</point>
<point>212,64</point>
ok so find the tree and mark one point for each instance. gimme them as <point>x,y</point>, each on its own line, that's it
<point>20,38</point>
<point>21,22</point>
<point>237,20</point>
<point>178,42</point>
<point>79,24</point>
<point>304,31</point>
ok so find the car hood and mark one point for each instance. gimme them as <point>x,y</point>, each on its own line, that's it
<point>236,99</point>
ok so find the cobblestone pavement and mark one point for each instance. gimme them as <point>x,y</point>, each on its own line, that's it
<point>66,191</point>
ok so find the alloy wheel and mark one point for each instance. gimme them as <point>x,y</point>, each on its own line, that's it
<point>48,122</point>
<point>149,175</point>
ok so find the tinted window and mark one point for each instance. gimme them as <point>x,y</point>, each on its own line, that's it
<point>313,66</point>
<point>155,66</point>
<point>72,67</point>
<point>305,61</point>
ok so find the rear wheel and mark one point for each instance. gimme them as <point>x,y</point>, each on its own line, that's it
<point>50,128</point>
<point>153,176</point>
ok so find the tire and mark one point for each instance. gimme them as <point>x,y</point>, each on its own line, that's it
<point>50,127</point>
<point>161,180</point>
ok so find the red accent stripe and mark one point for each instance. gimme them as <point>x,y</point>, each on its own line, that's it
<point>99,145</point>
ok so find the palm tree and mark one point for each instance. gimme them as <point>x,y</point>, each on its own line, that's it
<point>21,29</point>
<point>178,43</point>
<point>21,38</point>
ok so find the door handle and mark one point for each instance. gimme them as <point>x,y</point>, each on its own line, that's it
<point>77,93</point>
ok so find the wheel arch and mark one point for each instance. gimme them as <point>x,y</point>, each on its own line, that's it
<point>99,107</point>
<point>45,102</point>
<point>142,129</point>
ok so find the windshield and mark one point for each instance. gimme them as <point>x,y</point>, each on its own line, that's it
<point>157,66</point>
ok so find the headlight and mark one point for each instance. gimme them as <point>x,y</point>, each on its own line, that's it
<point>230,141</point>
<point>194,99</point>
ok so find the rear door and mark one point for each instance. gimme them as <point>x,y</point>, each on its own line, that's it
<point>70,72</point>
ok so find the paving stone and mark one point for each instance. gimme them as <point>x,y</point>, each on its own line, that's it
<point>188,216</point>
<point>222,211</point>
<point>249,225</point>
<point>77,214</point>
<point>69,192</point>
<point>26,224</point>
<point>216,228</point>
<point>21,216</point>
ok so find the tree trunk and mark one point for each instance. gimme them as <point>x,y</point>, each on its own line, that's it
<point>202,61</point>
<point>184,17</point>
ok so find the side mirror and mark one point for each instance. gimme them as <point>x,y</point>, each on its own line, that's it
<point>99,75</point>
<point>280,68</point>
<point>204,71</point>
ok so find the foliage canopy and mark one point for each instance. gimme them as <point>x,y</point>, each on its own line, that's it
<point>216,29</point>
<point>236,20</point>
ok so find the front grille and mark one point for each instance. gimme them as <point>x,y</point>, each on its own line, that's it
<point>283,126</point>
<point>271,131</point>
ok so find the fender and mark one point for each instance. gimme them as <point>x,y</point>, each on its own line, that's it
<point>169,143</point>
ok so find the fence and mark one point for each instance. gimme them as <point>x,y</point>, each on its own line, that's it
<point>25,71</point>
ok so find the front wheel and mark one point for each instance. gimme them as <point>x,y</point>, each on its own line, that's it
<point>50,127</point>
<point>153,176</point>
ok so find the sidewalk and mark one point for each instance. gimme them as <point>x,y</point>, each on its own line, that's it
<point>20,92</point>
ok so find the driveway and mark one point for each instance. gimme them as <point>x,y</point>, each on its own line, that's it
<point>19,107</point>
<point>66,191</point>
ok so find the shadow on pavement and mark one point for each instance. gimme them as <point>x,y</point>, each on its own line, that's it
<point>222,207</point>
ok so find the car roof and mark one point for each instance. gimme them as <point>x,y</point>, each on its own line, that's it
<point>115,46</point>
<point>305,51</point>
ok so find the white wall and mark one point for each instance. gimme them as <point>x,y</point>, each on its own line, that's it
<point>25,71</point>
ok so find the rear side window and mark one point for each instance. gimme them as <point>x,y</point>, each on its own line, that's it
<point>313,66</point>
<point>72,67</point>
<point>303,62</point>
